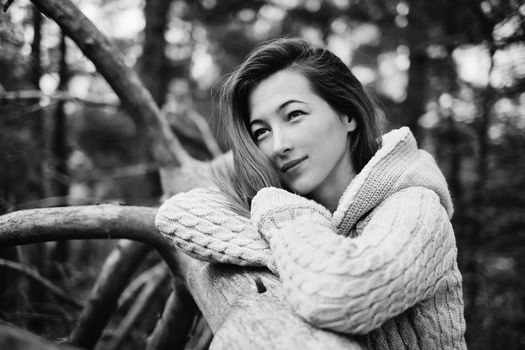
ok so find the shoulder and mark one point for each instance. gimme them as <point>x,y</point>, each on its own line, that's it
<point>412,206</point>
<point>410,195</point>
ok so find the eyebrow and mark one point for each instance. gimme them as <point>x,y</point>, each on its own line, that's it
<point>280,108</point>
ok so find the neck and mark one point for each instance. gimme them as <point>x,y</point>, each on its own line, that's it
<point>330,193</point>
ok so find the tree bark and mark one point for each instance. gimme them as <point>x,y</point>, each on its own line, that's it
<point>105,221</point>
<point>152,69</point>
<point>37,120</point>
<point>153,62</point>
<point>242,318</point>
<point>414,105</point>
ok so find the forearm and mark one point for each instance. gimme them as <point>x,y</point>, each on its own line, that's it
<point>354,285</point>
<point>199,225</point>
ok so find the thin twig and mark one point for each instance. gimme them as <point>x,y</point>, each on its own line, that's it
<point>205,132</point>
<point>173,328</point>
<point>125,171</point>
<point>35,276</point>
<point>136,285</point>
<point>23,95</point>
<point>158,276</point>
<point>26,111</point>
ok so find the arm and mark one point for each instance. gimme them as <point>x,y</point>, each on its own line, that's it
<point>200,223</point>
<point>354,285</point>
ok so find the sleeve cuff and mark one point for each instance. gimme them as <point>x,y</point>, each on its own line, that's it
<point>272,208</point>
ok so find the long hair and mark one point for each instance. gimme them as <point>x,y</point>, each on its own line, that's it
<point>330,78</point>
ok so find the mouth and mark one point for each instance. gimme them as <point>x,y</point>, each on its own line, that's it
<point>291,164</point>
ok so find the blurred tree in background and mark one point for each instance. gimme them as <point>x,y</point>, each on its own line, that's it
<point>454,71</point>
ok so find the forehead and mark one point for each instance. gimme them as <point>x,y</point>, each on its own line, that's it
<point>275,90</point>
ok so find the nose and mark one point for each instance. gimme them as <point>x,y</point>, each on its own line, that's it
<point>281,142</point>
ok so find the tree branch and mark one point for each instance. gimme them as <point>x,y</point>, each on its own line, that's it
<point>105,221</point>
<point>171,331</point>
<point>129,294</point>
<point>158,276</point>
<point>118,268</point>
<point>124,80</point>
<point>13,338</point>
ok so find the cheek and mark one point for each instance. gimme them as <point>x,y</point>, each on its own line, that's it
<point>264,148</point>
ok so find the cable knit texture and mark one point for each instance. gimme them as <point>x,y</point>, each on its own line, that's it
<point>383,265</point>
<point>199,223</point>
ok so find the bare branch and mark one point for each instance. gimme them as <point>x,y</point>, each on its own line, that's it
<point>171,331</point>
<point>111,281</point>
<point>135,286</point>
<point>201,337</point>
<point>159,275</point>
<point>31,95</point>
<point>105,221</point>
<point>14,338</point>
<point>35,276</point>
<point>120,172</point>
<point>26,111</point>
<point>205,132</point>
<point>124,80</point>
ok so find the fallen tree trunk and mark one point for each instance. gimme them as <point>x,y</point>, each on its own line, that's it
<point>239,313</point>
<point>243,317</point>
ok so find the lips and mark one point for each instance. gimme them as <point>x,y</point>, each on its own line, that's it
<point>290,164</point>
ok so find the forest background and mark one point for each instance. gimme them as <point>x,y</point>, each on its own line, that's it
<point>454,71</point>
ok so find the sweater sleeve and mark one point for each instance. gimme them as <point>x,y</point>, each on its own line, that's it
<point>200,223</point>
<point>354,285</point>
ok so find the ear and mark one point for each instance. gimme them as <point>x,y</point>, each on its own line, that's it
<point>350,123</point>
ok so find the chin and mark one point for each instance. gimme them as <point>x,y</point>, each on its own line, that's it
<point>302,189</point>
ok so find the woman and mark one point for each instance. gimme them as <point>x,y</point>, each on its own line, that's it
<point>356,226</point>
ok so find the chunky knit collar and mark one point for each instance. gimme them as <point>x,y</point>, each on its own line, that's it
<point>398,164</point>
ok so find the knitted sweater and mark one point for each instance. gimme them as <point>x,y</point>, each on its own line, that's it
<point>383,265</point>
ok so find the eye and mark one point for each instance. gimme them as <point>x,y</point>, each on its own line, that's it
<point>294,114</point>
<point>259,133</point>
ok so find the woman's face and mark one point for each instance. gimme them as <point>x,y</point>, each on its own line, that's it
<point>305,139</point>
